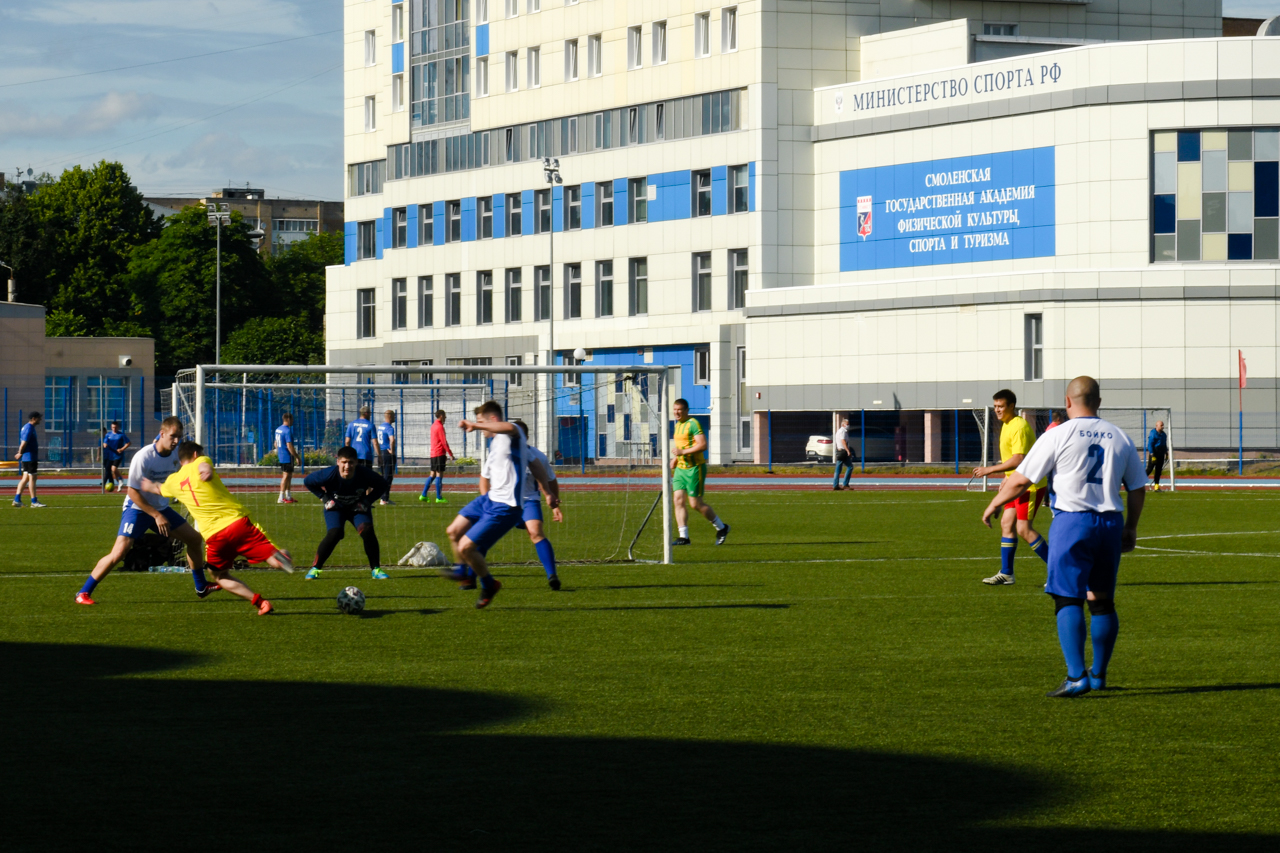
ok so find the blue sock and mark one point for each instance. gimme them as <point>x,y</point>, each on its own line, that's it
<point>1041,547</point>
<point>1008,547</point>
<point>465,570</point>
<point>89,585</point>
<point>488,582</point>
<point>426,490</point>
<point>17,499</point>
<point>439,487</point>
<point>1071,637</point>
<point>198,577</point>
<point>1105,629</point>
<point>547,555</point>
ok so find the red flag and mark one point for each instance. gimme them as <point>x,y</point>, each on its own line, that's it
<point>1243,374</point>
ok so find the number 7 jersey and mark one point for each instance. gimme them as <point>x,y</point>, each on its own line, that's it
<point>209,503</point>
<point>1090,459</point>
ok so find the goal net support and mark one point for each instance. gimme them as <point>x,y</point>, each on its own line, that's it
<point>1136,422</point>
<point>602,426</point>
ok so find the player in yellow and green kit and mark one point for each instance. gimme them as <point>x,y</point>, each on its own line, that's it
<point>1016,438</point>
<point>689,477</point>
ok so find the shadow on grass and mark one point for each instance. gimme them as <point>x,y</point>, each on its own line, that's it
<point>103,760</point>
<point>1178,691</point>
<point>1192,583</point>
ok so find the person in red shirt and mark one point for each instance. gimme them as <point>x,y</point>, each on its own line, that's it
<point>439,448</point>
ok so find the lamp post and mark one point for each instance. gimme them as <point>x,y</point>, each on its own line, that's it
<point>551,172</point>
<point>13,282</point>
<point>219,214</point>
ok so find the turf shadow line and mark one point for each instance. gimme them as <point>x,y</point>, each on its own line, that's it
<point>313,765</point>
<point>1120,692</point>
<point>624,607</point>
<point>1194,583</point>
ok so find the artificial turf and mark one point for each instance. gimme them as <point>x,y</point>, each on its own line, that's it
<point>834,678</point>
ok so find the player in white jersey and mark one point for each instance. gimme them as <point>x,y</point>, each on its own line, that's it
<point>1090,459</point>
<point>532,516</point>
<point>144,511</point>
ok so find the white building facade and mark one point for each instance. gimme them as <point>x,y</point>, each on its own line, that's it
<point>818,207</point>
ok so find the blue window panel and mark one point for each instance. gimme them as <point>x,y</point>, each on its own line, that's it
<point>437,223</point>
<point>620,202</point>
<point>526,212</point>
<point>1188,146</point>
<point>751,187</point>
<point>588,205</point>
<point>378,237</point>
<point>412,223</point>
<point>397,58</point>
<point>1239,247</point>
<point>499,216</point>
<point>557,209</point>
<point>1165,219</point>
<point>469,219</point>
<point>719,185</point>
<point>678,192</point>
<point>1266,201</point>
<point>482,40</point>
<point>604,445</point>
<point>386,224</point>
<point>349,242</point>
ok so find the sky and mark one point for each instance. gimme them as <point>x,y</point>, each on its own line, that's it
<point>267,111</point>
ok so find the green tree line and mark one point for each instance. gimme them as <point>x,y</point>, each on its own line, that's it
<point>87,247</point>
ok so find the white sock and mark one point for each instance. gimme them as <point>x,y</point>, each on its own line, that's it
<point>684,533</point>
<point>720,525</point>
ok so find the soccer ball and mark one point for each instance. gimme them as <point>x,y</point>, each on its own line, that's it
<point>351,600</point>
<point>111,487</point>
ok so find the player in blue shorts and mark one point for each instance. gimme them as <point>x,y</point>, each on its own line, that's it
<point>360,436</point>
<point>532,518</point>
<point>1090,460</point>
<point>347,491</point>
<point>144,511</point>
<point>114,444</point>
<point>385,450</point>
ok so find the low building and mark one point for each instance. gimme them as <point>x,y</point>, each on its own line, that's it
<point>283,220</point>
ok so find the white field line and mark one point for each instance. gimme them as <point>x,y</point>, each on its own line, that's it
<point>1208,553</point>
<point>1219,533</point>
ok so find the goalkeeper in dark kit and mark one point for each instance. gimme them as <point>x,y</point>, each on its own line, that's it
<point>347,492</point>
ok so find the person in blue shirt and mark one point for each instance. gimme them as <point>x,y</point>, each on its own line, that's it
<point>360,437</point>
<point>385,440</point>
<point>284,456</point>
<point>347,491</point>
<point>114,444</point>
<point>1157,452</point>
<point>28,457</point>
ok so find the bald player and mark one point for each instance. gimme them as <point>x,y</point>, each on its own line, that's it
<point>1090,460</point>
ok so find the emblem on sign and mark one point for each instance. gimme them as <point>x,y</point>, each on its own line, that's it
<point>864,216</point>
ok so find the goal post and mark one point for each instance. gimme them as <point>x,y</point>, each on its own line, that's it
<point>611,417</point>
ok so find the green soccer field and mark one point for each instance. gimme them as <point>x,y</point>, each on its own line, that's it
<point>835,677</point>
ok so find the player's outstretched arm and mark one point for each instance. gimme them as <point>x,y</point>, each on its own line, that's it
<point>1014,486</point>
<point>999,468</point>
<point>149,486</point>
<point>491,427</point>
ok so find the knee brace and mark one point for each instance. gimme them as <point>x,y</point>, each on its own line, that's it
<point>1102,606</point>
<point>1061,601</point>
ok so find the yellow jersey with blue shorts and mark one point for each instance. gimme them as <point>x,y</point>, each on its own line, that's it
<point>691,469</point>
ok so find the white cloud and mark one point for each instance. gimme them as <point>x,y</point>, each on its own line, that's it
<point>97,117</point>
<point>264,17</point>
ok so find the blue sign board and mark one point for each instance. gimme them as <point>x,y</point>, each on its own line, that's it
<point>988,207</point>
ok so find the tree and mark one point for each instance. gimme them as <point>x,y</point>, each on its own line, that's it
<point>298,273</point>
<point>275,340</point>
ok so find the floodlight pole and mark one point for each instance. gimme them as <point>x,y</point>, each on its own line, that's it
<point>218,212</point>
<point>551,172</point>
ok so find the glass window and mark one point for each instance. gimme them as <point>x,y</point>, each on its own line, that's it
<point>729,29</point>
<point>453,228</point>
<point>399,303</point>
<point>512,298</point>
<point>638,199</point>
<point>453,299</point>
<point>541,211</point>
<point>366,240</point>
<point>604,204</point>
<point>594,61</point>
<point>397,93</point>
<point>484,297</point>
<point>366,313</point>
<point>399,228</point>
<point>571,60</point>
<point>999,29</point>
<point>370,113</point>
<point>660,43</point>
<point>482,11</point>
<point>366,178</point>
<point>513,71</point>
<point>60,402</point>
<point>659,121</point>
<point>638,287</point>
<point>515,379</point>
<point>426,230</point>
<point>533,79</point>
<point>542,293</point>
<point>426,315</point>
<point>397,22</point>
<point>513,8</point>
<point>573,208</point>
<point>633,48</point>
<point>702,35</point>
<point>370,47</point>
<point>604,288</point>
<point>573,291</point>
<point>513,214</point>
<point>702,281</point>
<point>737,278</point>
<point>702,193</point>
<point>702,366</point>
<point>482,77</point>
<point>484,217</point>
<point>1033,344</point>
<point>739,187</point>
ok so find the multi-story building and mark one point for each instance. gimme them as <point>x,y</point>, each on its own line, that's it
<point>282,220</point>
<point>747,194</point>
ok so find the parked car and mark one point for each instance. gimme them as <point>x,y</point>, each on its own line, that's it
<point>820,447</point>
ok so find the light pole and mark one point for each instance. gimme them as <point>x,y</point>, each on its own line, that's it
<point>13,282</point>
<point>218,214</point>
<point>551,171</point>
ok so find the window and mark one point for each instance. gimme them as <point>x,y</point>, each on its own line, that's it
<point>397,93</point>
<point>366,240</point>
<point>512,298</point>
<point>742,372</point>
<point>739,189</point>
<point>513,8</point>
<point>515,379</point>
<point>594,62</point>
<point>999,29</point>
<point>399,303</point>
<point>737,278</point>
<point>535,6</point>
<point>484,217</point>
<point>370,47</point>
<point>571,143</point>
<point>702,366</point>
<point>660,43</point>
<point>702,35</point>
<point>702,193</point>
<point>370,113</point>
<point>1033,331</point>
<point>426,231</point>
<point>59,402</point>
<point>571,60</point>
<point>474,378</point>
<point>533,78</point>
<point>638,287</point>
<point>635,126</point>
<point>604,204</point>
<point>426,314</point>
<point>400,378</point>
<point>572,291</point>
<point>572,208</point>
<point>425,378</point>
<point>571,380</point>
<point>542,293</point>
<point>366,313</point>
<point>513,214</point>
<point>484,297</point>
<point>513,71</point>
<point>638,199</point>
<point>482,77</point>
<point>453,221</point>
<point>541,211</point>
<point>399,228</point>
<point>729,29</point>
<point>604,288</point>
<point>366,178</point>
<point>397,22</point>
<point>659,121</point>
<point>453,299</point>
<point>482,11</point>
<point>633,48</point>
<point>702,281</point>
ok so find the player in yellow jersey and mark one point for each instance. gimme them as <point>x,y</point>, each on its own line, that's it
<point>224,522</point>
<point>1016,438</point>
<point>689,464</point>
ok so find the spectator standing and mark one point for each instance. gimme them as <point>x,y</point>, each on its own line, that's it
<point>1157,452</point>
<point>844,455</point>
